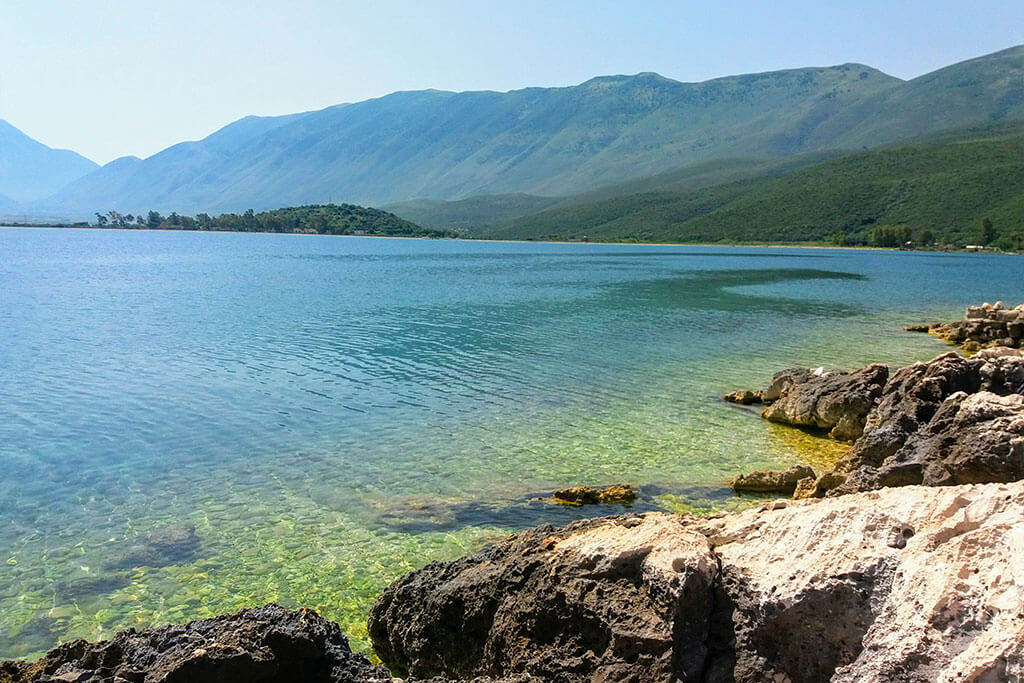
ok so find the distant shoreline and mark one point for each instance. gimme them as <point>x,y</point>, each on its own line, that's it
<point>776,245</point>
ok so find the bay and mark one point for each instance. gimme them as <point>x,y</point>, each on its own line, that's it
<point>330,412</point>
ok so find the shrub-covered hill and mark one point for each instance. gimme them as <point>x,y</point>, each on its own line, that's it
<point>323,219</point>
<point>937,190</point>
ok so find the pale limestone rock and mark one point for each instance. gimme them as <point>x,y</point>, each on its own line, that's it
<point>912,584</point>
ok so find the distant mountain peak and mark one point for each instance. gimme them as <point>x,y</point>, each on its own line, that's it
<point>31,170</point>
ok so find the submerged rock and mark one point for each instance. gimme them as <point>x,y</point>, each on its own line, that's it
<point>770,481</point>
<point>614,599</point>
<point>160,547</point>
<point>914,584</point>
<point>266,645</point>
<point>951,420</point>
<point>743,397</point>
<point>586,495</point>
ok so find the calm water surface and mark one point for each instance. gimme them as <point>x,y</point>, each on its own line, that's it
<point>329,413</point>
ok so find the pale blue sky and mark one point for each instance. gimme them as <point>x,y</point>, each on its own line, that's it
<point>114,77</point>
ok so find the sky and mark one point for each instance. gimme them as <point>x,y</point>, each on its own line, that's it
<point>109,78</point>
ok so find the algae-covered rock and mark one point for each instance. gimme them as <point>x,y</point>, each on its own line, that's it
<point>585,495</point>
<point>771,481</point>
<point>743,397</point>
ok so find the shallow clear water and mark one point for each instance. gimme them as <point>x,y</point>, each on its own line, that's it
<point>331,412</point>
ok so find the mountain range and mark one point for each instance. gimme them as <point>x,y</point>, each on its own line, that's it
<point>496,156</point>
<point>29,170</point>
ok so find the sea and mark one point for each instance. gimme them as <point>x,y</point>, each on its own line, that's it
<point>320,415</point>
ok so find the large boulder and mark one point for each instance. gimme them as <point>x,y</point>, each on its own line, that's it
<point>912,584</point>
<point>834,401</point>
<point>265,645</point>
<point>615,599</point>
<point>950,420</point>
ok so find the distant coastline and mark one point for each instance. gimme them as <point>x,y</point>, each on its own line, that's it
<point>464,238</point>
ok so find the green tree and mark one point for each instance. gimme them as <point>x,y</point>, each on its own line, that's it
<point>988,231</point>
<point>890,236</point>
<point>204,221</point>
<point>101,220</point>
<point>154,219</point>
<point>249,220</point>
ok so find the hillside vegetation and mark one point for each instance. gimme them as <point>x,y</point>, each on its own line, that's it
<point>936,191</point>
<point>485,215</point>
<point>470,214</point>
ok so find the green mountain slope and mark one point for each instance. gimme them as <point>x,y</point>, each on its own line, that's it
<point>542,141</point>
<point>945,186</point>
<point>548,141</point>
<point>489,214</point>
<point>30,170</point>
<point>470,214</point>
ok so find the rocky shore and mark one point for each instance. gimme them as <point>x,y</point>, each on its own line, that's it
<point>916,584</point>
<point>902,563</point>
<point>951,420</point>
<point>982,327</point>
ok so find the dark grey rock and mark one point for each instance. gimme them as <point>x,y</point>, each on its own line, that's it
<point>265,645</point>
<point>528,606</point>
<point>951,420</point>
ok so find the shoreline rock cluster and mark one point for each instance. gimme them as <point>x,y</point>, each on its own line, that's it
<point>912,584</point>
<point>950,420</point>
<point>834,402</point>
<point>982,327</point>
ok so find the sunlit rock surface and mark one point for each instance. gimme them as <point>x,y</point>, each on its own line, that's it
<point>951,420</point>
<point>614,599</point>
<point>909,584</point>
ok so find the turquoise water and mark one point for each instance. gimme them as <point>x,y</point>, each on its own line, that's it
<point>330,412</point>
